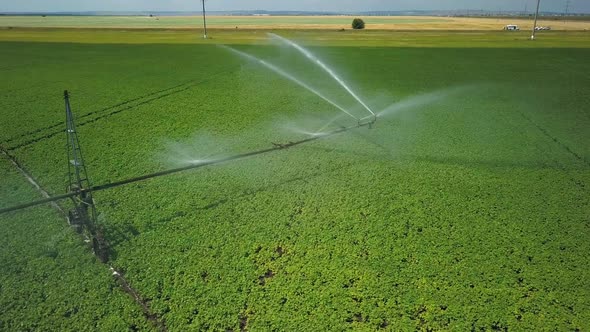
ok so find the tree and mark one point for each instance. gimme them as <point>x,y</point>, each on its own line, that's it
<point>358,24</point>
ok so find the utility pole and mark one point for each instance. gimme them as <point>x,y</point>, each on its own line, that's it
<point>567,8</point>
<point>204,20</point>
<point>536,16</point>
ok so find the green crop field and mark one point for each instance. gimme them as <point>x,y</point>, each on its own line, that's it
<point>466,206</point>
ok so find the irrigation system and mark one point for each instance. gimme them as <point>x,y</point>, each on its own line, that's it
<point>83,216</point>
<point>80,191</point>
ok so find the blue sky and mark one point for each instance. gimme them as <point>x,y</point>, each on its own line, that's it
<point>316,5</point>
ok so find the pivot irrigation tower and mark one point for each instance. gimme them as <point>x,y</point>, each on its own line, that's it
<point>83,217</point>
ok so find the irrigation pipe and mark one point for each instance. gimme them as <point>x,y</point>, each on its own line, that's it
<point>106,186</point>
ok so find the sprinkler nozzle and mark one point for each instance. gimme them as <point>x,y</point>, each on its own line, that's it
<point>371,119</point>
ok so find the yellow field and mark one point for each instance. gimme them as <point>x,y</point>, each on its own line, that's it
<point>410,23</point>
<point>464,23</point>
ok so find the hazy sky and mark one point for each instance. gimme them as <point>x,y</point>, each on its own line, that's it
<point>315,5</point>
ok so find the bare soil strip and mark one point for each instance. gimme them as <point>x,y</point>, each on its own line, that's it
<point>149,315</point>
<point>31,180</point>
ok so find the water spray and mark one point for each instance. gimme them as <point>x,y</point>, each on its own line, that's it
<point>319,131</point>
<point>199,163</point>
<point>192,165</point>
<point>327,69</point>
<point>423,99</point>
<point>289,77</point>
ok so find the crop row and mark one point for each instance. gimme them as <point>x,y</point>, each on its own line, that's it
<point>450,216</point>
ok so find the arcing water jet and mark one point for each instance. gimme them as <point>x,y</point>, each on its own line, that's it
<point>421,100</point>
<point>322,65</point>
<point>288,76</point>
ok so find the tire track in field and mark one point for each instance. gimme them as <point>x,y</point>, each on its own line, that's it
<point>60,123</point>
<point>556,140</point>
<point>152,317</point>
<point>579,183</point>
<point>27,175</point>
<point>155,319</point>
<point>55,129</point>
<point>100,117</point>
